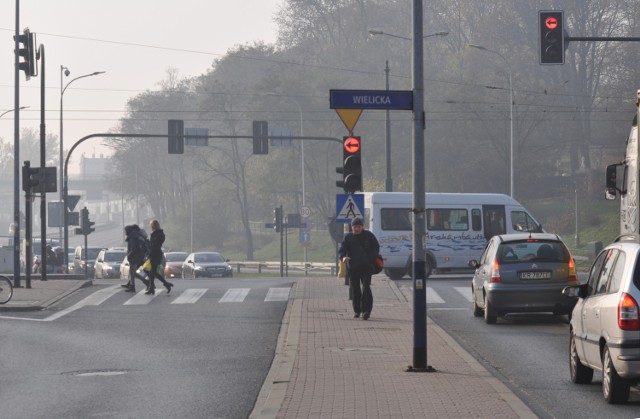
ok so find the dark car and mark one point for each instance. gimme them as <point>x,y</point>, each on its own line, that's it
<point>107,264</point>
<point>205,265</point>
<point>173,265</point>
<point>522,273</point>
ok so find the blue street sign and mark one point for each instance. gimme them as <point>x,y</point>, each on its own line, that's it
<point>349,207</point>
<point>371,99</point>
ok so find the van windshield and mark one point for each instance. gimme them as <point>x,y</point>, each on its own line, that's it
<point>521,221</point>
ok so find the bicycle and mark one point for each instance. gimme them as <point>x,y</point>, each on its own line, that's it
<point>6,289</point>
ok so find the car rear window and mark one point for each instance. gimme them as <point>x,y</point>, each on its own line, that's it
<point>532,250</point>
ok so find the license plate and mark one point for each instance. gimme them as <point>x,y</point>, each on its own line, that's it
<point>536,275</point>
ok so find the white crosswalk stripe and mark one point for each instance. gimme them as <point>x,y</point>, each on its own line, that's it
<point>190,296</point>
<point>465,291</point>
<point>433,297</point>
<point>235,295</point>
<point>142,298</point>
<point>278,294</point>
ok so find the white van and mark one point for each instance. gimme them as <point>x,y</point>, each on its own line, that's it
<point>458,226</point>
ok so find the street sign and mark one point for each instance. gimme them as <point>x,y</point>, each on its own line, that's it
<point>305,212</point>
<point>72,201</point>
<point>349,207</point>
<point>371,99</point>
<point>196,137</point>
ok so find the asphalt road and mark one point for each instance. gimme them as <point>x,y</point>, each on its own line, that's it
<point>528,352</point>
<point>155,358</point>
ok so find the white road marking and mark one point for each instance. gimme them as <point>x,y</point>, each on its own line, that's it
<point>190,296</point>
<point>465,291</point>
<point>278,294</point>
<point>433,297</point>
<point>235,295</point>
<point>142,298</point>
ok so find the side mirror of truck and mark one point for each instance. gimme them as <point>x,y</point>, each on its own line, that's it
<point>611,182</point>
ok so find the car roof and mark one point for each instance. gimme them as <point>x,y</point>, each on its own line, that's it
<point>527,236</point>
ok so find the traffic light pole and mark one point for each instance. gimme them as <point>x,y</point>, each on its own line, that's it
<point>121,135</point>
<point>43,195</point>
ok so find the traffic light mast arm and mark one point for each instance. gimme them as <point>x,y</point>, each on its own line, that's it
<point>602,38</point>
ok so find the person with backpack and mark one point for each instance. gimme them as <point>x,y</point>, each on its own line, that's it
<point>358,251</point>
<point>137,252</point>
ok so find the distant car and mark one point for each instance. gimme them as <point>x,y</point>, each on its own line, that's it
<point>173,267</point>
<point>205,265</point>
<point>80,257</point>
<point>107,264</point>
<point>605,327</point>
<point>522,272</point>
<point>124,268</point>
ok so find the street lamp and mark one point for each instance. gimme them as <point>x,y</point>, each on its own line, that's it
<point>63,210</point>
<point>510,113</point>
<point>11,110</point>
<point>575,190</point>
<point>388,183</point>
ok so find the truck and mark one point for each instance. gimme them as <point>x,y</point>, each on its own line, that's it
<point>623,178</point>
<point>458,226</point>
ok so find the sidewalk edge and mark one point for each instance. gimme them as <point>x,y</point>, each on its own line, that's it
<point>273,389</point>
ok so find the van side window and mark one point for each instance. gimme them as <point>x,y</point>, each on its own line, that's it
<point>521,221</point>
<point>476,220</point>
<point>447,219</point>
<point>395,219</point>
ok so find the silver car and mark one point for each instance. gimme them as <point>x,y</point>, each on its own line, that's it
<point>605,328</point>
<point>522,273</point>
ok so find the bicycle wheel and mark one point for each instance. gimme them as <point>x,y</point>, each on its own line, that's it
<point>6,289</point>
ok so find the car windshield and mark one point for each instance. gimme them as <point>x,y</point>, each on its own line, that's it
<point>208,257</point>
<point>175,257</point>
<point>114,256</point>
<point>529,250</point>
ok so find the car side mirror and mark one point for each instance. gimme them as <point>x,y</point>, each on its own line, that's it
<point>575,291</point>
<point>474,264</point>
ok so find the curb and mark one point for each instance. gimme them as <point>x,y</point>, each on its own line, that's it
<point>39,306</point>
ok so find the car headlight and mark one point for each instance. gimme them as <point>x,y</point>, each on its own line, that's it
<point>107,268</point>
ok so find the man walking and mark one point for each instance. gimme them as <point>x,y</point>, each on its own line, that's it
<point>136,254</point>
<point>358,251</point>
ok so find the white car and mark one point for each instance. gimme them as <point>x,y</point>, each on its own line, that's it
<point>605,326</point>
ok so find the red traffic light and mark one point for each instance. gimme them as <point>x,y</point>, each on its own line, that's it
<point>351,145</point>
<point>551,22</point>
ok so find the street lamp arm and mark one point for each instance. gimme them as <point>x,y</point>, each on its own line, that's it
<point>379,32</point>
<point>95,73</point>
<point>11,110</point>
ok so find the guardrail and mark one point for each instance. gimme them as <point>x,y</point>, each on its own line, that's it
<point>320,268</point>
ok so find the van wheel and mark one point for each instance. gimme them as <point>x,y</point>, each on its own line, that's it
<point>614,388</point>
<point>395,273</point>
<point>579,373</point>
<point>428,267</point>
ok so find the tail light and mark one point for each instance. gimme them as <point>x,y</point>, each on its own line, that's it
<point>573,275</point>
<point>495,272</point>
<point>628,313</point>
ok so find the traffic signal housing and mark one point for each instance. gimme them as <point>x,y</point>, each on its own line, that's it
<point>260,137</point>
<point>277,219</point>
<point>551,37</point>
<point>351,169</point>
<point>176,136</point>
<point>27,52</point>
<point>85,223</point>
<point>31,179</point>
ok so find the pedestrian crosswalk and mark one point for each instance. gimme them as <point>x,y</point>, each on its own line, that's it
<point>433,297</point>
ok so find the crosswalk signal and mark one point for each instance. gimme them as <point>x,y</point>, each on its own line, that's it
<point>27,52</point>
<point>351,169</point>
<point>551,37</point>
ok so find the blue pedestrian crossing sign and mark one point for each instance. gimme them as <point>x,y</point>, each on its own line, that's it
<point>349,207</point>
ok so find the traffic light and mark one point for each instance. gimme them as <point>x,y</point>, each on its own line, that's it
<point>277,219</point>
<point>176,136</point>
<point>85,223</point>
<point>31,179</point>
<point>260,137</point>
<point>351,165</point>
<point>27,52</point>
<point>551,37</point>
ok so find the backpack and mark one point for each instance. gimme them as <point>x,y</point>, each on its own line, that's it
<point>144,246</point>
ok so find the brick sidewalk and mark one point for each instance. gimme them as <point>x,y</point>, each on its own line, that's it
<point>330,365</point>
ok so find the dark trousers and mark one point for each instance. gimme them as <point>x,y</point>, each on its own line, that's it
<point>154,274</point>
<point>361,296</point>
<point>133,274</point>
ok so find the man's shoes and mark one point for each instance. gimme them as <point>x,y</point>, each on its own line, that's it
<point>356,315</point>
<point>366,316</point>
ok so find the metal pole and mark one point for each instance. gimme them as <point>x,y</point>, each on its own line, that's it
<point>577,234</point>
<point>388,184</point>
<point>511,130</point>
<point>16,157</point>
<point>419,230</point>
<point>43,195</point>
